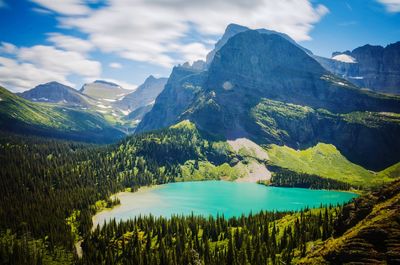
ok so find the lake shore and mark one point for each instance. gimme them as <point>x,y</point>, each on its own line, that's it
<point>122,195</point>
<point>213,198</point>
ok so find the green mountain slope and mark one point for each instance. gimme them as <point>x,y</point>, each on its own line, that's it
<point>366,232</point>
<point>22,116</point>
<point>326,161</point>
<point>365,138</point>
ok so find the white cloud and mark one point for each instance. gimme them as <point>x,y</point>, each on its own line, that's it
<point>65,7</point>
<point>68,62</point>
<point>21,76</point>
<point>115,65</point>
<point>391,5</point>
<point>8,48</point>
<point>191,52</point>
<point>152,30</point>
<point>70,43</point>
<point>39,64</point>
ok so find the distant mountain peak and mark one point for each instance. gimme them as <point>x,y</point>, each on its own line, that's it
<point>145,94</point>
<point>101,89</point>
<point>369,66</point>
<point>150,78</point>
<point>234,29</point>
<point>54,92</point>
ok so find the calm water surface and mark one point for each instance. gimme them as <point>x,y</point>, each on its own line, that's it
<point>216,197</point>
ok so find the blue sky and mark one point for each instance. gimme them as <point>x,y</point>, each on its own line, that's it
<point>78,41</point>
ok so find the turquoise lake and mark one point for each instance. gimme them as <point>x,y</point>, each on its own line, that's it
<point>217,197</point>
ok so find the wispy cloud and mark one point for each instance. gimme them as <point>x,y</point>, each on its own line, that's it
<point>156,31</point>
<point>392,6</point>
<point>65,7</point>
<point>70,43</point>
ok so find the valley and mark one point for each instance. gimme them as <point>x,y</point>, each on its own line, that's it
<point>262,153</point>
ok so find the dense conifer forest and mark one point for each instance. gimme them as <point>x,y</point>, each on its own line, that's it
<point>287,178</point>
<point>264,238</point>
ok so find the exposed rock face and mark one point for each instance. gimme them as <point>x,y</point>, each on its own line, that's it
<point>179,92</point>
<point>144,95</point>
<point>54,92</point>
<point>376,67</point>
<point>365,138</point>
<point>252,66</point>
<point>234,29</point>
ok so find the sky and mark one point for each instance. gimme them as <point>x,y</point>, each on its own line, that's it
<point>124,41</point>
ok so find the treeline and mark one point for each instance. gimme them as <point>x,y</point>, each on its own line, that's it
<point>42,182</point>
<point>282,177</point>
<point>264,238</point>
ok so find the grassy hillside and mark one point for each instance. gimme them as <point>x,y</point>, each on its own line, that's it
<point>391,172</point>
<point>366,138</point>
<point>326,161</point>
<point>22,116</point>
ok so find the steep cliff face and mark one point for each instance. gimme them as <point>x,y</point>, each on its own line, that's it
<point>144,95</point>
<point>234,29</point>
<point>375,67</point>
<point>181,89</point>
<point>365,138</point>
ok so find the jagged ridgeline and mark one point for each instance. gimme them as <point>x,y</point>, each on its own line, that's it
<point>266,88</point>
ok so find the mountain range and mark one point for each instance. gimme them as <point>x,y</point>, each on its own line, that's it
<point>261,108</point>
<point>286,97</point>
<point>262,85</point>
<point>373,67</point>
<point>61,111</point>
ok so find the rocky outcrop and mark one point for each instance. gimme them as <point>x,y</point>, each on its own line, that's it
<point>180,91</point>
<point>234,29</point>
<point>144,95</point>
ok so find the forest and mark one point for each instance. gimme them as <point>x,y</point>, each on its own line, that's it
<point>282,177</point>
<point>50,189</point>
<point>43,181</point>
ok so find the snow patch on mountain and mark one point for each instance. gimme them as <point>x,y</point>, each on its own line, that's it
<point>344,58</point>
